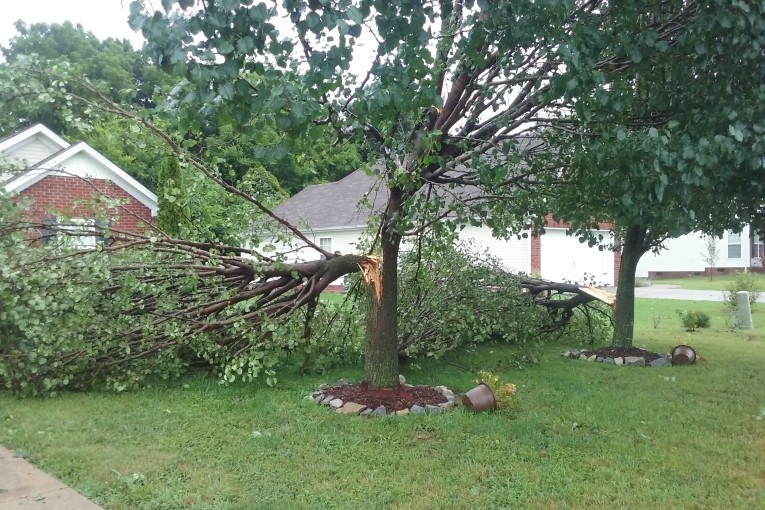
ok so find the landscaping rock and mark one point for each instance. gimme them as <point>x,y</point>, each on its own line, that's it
<point>401,379</point>
<point>575,354</point>
<point>582,356</point>
<point>592,358</point>
<point>599,359</point>
<point>565,354</point>
<point>635,361</point>
<point>366,412</point>
<point>326,400</point>
<point>336,403</point>
<point>619,361</point>
<point>403,412</point>
<point>448,406</point>
<point>351,408</point>
<point>323,386</point>
<point>660,362</point>
<point>608,360</point>
<point>380,411</point>
<point>415,409</point>
<point>342,382</point>
<point>435,409</point>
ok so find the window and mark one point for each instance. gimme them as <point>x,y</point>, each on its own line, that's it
<point>76,229</point>
<point>325,243</point>
<point>49,232</point>
<point>734,245</point>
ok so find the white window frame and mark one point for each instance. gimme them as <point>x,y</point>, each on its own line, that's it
<point>76,225</point>
<point>325,243</point>
<point>734,242</point>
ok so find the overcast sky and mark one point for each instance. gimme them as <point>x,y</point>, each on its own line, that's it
<point>105,18</point>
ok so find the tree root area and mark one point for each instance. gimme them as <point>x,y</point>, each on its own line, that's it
<point>394,399</point>
<point>622,352</point>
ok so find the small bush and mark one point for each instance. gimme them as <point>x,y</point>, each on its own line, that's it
<point>452,297</point>
<point>591,324</point>
<point>745,281</point>
<point>693,319</point>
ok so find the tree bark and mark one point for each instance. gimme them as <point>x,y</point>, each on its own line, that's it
<point>634,246</point>
<point>381,351</point>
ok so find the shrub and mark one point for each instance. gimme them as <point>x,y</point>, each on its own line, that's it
<point>451,297</point>
<point>693,320</point>
<point>591,324</point>
<point>745,281</point>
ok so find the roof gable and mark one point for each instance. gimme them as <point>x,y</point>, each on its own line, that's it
<point>82,160</point>
<point>37,134</point>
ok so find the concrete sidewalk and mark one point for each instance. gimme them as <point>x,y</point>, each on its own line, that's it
<point>23,486</point>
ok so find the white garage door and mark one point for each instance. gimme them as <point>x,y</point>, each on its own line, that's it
<point>514,253</point>
<point>564,258</point>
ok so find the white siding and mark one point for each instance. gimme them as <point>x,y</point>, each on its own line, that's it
<point>33,151</point>
<point>686,253</point>
<point>564,258</point>
<point>514,253</point>
<point>83,165</point>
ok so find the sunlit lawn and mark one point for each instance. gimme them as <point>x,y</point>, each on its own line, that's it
<point>718,282</point>
<point>586,436</point>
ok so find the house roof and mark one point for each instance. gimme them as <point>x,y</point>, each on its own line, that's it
<point>336,204</point>
<point>68,160</point>
<point>340,204</point>
<point>13,139</point>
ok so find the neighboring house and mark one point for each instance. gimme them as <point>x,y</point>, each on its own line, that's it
<point>685,255</point>
<point>63,179</point>
<point>331,217</point>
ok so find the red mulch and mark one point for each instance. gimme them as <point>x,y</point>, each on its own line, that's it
<point>621,352</point>
<point>394,399</point>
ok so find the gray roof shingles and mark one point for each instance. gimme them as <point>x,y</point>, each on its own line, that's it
<point>335,204</point>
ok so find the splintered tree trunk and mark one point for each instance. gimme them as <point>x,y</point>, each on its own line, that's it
<point>381,353</point>
<point>633,247</point>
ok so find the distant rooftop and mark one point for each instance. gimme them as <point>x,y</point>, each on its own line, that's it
<point>335,204</point>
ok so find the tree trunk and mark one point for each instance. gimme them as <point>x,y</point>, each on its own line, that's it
<point>381,352</point>
<point>633,247</point>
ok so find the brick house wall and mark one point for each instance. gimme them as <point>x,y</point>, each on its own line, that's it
<point>69,196</point>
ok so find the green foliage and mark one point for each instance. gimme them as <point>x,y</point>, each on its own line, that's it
<point>591,324</point>
<point>174,213</point>
<point>693,319</point>
<point>72,320</point>
<point>451,297</point>
<point>744,281</point>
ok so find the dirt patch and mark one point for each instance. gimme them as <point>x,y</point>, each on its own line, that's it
<point>394,399</point>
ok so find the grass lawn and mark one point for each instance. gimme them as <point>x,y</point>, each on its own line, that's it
<point>586,436</point>
<point>719,282</point>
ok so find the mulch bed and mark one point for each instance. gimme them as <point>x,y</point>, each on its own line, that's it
<point>621,352</point>
<point>394,399</point>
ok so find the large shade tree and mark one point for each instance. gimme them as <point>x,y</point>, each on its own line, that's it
<point>456,100</point>
<point>448,93</point>
<point>674,144</point>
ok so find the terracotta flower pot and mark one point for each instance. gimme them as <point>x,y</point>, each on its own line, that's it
<point>479,399</point>
<point>683,355</point>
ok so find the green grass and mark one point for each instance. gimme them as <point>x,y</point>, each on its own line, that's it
<point>719,282</point>
<point>586,436</point>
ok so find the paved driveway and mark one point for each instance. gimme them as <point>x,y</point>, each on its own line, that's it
<point>660,291</point>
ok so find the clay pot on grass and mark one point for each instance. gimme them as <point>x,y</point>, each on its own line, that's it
<point>479,399</point>
<point>683,355</point>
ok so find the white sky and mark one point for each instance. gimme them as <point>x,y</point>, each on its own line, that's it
<point>105,18</point>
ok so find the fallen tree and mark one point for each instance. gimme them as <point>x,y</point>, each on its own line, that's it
<point>124,311</point>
